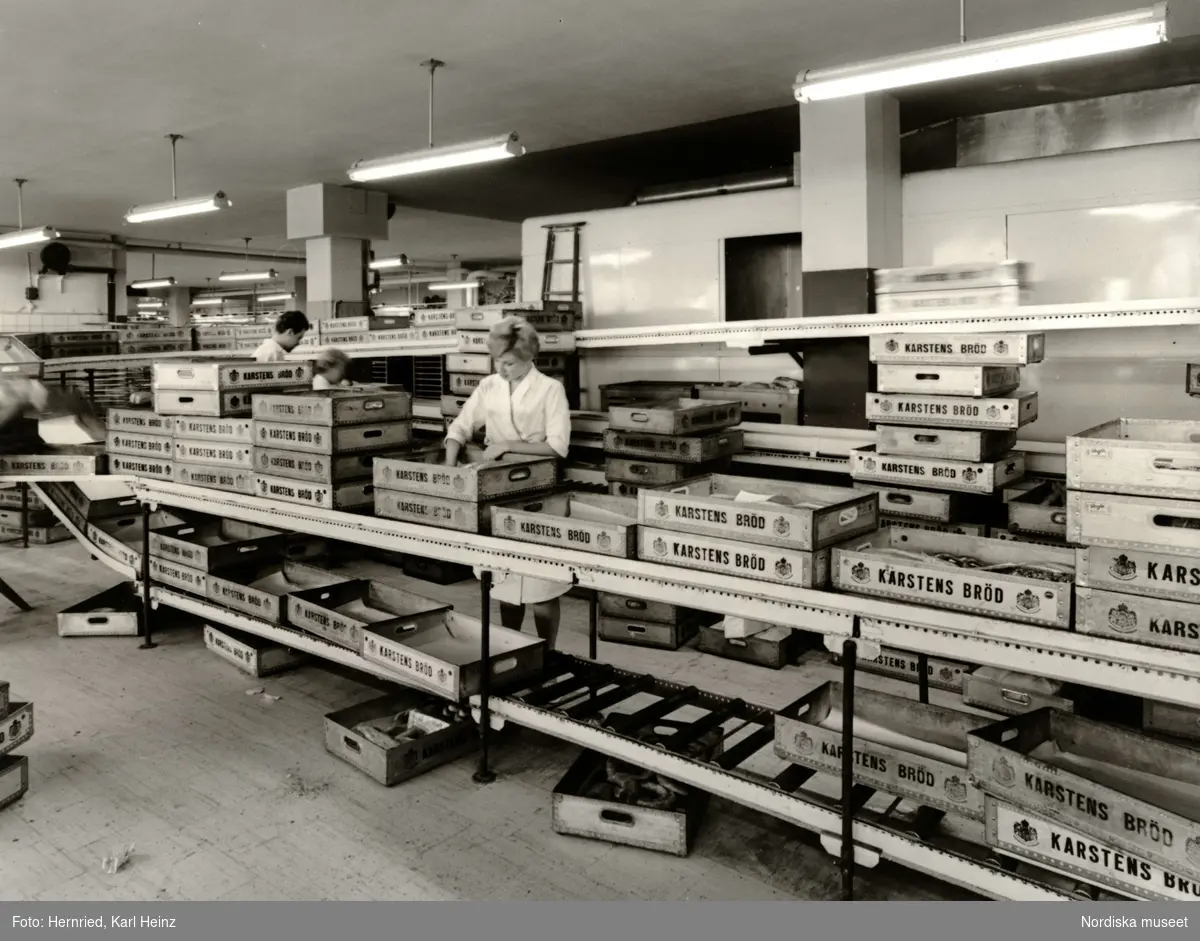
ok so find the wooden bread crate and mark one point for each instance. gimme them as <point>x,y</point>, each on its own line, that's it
<point>979,530</point>
<point>83,461</point>
<point>127,465</point>
<point>965,275</point>
<point>973,299</point>
<point>947,675</point>
<point>806,516</point>
<point>471,364</point>
<point>96,499</point>
<point>430,735</point>
<point>475,482</point>
<point>217,543</point>
<point>153,446</point>
<point>334,408</point>
<point>262,592</point>
<point>1155,622</point>
<point>544,321</point>
<point>1040,511</point>
<point>1135,572</point>
<point>452,405</point>
<point>436,571</point>
<point>973,381</point>
<point>932,505</point>
<point>953,411</point>
<point>959,349</point>
<point>693,449</point>
<point>344,613</point>
<point>114,612</point>
<point>1193,379</point>
<point>346,439</point>
<point>10,498</point>
<point>38,535</point>
<point>120,537</point>
<point>1011,693</point>
<point>658,473</point>
<point>1153,524</point>
<point>1170,719</point>
<point>445,659</point>
<point>16,726</point>
<point>955,444</point>
<point>227,430</point>
<point>774,648</point>
<point>464,516</point>
<point>321,469</point>
<point>961,476</point>
<point>900,564</point>
<point>225,376</point>
<point>214,453</point>
<point>901,746</point>
<point>1047,843</point>
<point>678,417</point>
<point>14,779</point>
<point>1098,779</point>
<point>174,575</point>
<point>618,630</point>
<point>600,524</point>
<point>210,404</point>
<point>728,556</point>
<point>215,477</point>
<point>33,518</point>
<point>1144,457</point>
<point>585,805</point>
<point>350,496</point>
<point>140,421</point>
<point>641,609</point>
<point>463,383</point>
<point>250,654</point>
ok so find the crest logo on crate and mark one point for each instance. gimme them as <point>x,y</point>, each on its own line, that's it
<point>783,568</point>
<point>860,572</point>
<point>685,449</point>
<point>660,546</point>
<point>804,743</point>
<point>891,346</point>
<point>969,475</point>
<point>946,673</point>
<point>1003,772</point>
<point>956,790</point>
<point>604,540</point>
<point>1028,601</point>
<point>1024,832</point>
<point>1192,850</point>
<point>233,375</point>
<point>1001,347</point>
<point>993,412</point>
<point>1122,620</point>
<point>782,527</point>
<point>510,524</point>
<point>869,463</point>
<point>442,677</point>
<point>1123,568</point>
<point>660,510</point>
<point>885,406</point>
<point>460,482</point>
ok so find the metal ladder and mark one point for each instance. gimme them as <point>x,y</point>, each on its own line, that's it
<point>548,292</point>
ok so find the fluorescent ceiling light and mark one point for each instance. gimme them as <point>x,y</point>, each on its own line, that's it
<point>268,275</point>
<point>27,237</point>
<point>454,286</point>
<point>391,309</point>
<point>1089,37</point>
<point>177,207</point>
<point>268,298</point>
<point>436,158</point>
<point>396,261</point>
<point>208,302</point>
<point>153,283</point>
<point>150,305</point>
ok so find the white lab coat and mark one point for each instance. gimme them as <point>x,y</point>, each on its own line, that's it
<point>535,410</point>
<point>270,352</point>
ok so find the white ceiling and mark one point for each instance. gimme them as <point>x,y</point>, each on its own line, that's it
<point>272,94</point>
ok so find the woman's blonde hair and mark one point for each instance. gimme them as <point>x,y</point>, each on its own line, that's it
<point>331,358</point>
<point>516,335</point>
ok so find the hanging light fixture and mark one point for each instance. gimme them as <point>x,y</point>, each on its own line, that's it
<point>208,301</point>
<point>394,261</point>
<point>152,282</point>
<point>23,236</point>
<point>265,275</point>
<point>273,298</point>
<point>1091,37</point>
<point>454,286</point>
<point>153,212</point>
<point>150,305</point>
<point>436,158</point>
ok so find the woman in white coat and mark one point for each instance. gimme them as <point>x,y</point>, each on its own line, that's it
<point>525,413</point>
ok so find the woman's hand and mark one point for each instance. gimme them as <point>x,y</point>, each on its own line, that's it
<point>496,451</point>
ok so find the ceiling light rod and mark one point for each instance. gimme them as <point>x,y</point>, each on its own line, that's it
<point>22,236</point>
<point>153,212</point>
<point>436,158</point>
<point>1090,37</point>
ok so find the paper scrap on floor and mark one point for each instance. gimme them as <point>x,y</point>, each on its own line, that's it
<point>882,735</point>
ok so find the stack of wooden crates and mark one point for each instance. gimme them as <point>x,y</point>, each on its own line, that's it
<point>16,728</point>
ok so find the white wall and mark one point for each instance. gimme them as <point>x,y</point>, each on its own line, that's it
<point>74,302</point>
<point>661,264</point>
<point>1104,226</point>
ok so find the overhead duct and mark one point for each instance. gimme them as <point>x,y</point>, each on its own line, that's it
<point>717,186</point>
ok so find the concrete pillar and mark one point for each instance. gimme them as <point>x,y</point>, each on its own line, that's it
<point>334,272</point>
<point>852,224</point>
<point>179,306</point>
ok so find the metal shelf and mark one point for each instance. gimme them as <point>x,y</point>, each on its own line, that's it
<point>750,333</point>
<point>1164,675</point>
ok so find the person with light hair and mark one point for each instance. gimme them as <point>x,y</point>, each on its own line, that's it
<point>329,370</point>
<point>525,413</point>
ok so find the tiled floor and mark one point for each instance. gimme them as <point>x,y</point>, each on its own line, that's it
<point>227,795</point>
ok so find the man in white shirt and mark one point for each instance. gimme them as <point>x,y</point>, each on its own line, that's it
<point>289,331</point>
